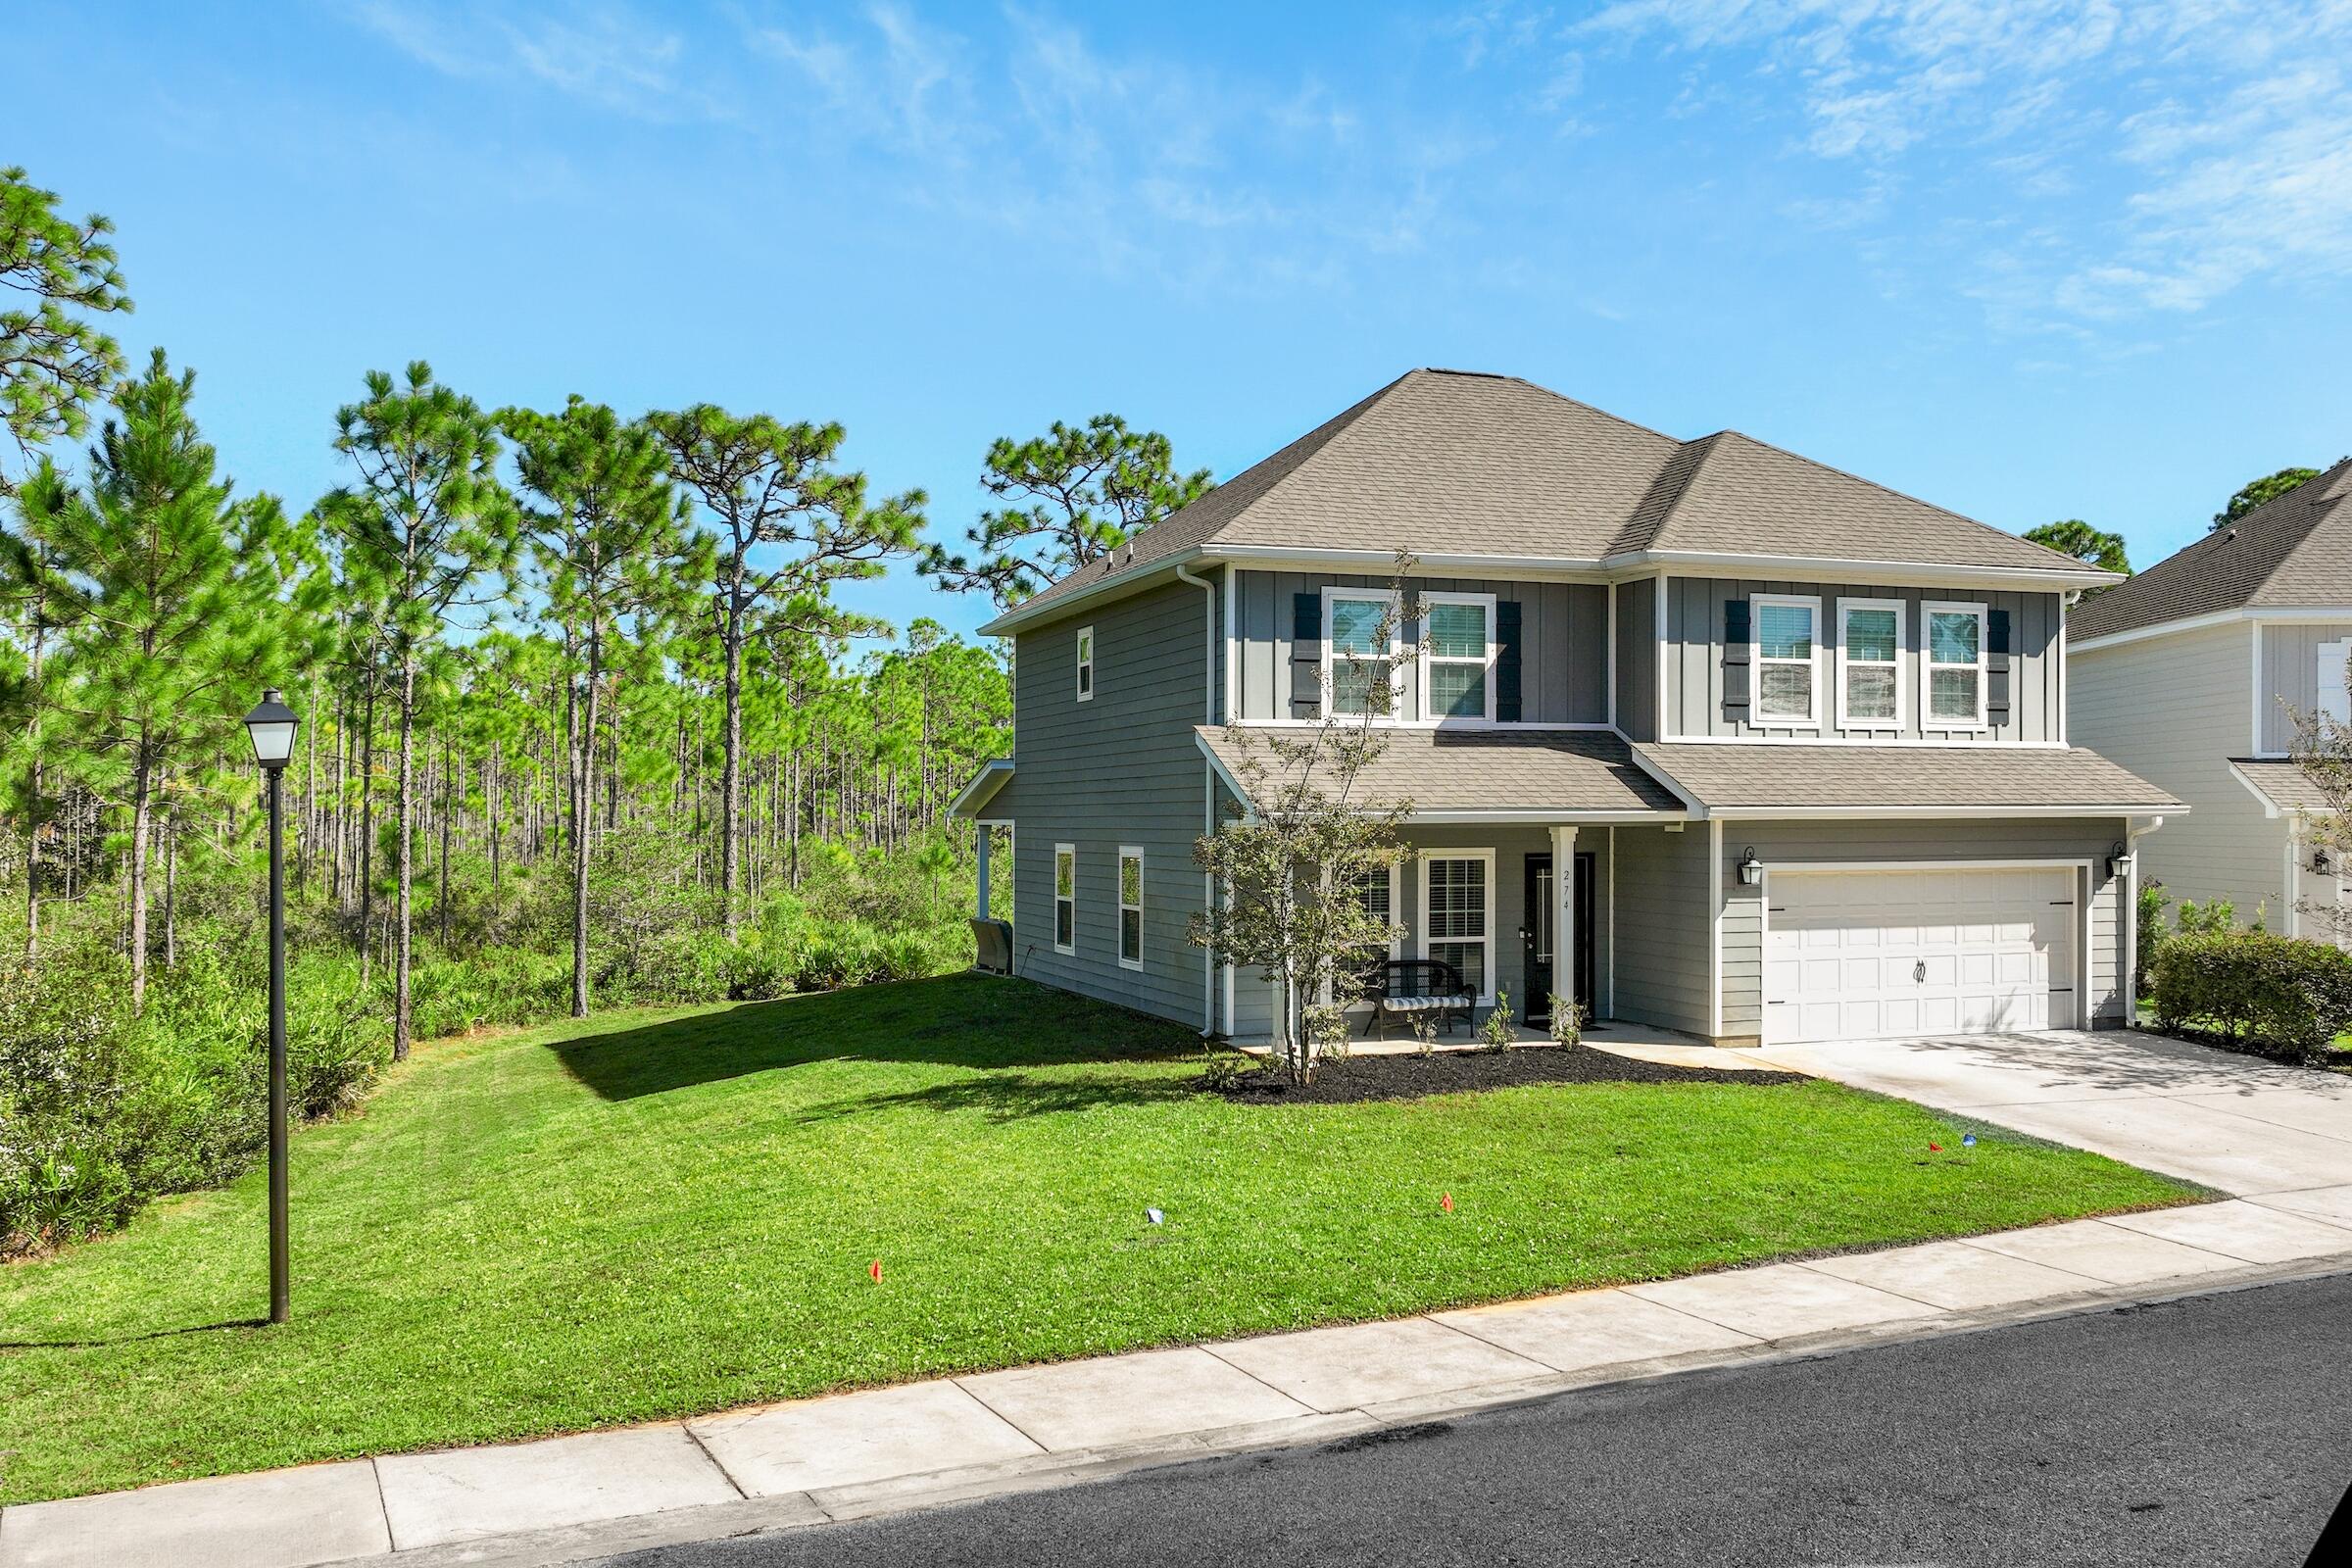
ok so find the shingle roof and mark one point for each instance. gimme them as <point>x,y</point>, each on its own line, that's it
<point>1759,777</point>
<point>1462,463</point>
<point>1442,770</point>
<point>2294,550</point>
<point>2283,784</point>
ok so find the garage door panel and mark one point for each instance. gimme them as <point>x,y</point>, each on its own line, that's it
<point>1858,955</point>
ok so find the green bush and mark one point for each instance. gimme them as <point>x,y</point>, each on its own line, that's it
<point>2280,995</point>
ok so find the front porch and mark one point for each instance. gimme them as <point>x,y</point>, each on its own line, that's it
<point>1623,1037</point>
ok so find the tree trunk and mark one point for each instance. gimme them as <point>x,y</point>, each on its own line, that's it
<point>141,826</point>
<point>404,809</point>
<point>170,893</point>
<point>730,768</point>
<point>583,802</point>
<point>449,808</point>
<point>364,861</point>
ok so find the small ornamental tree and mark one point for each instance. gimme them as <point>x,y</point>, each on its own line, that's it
<point>2323,750</point>
<point>1291,859</point>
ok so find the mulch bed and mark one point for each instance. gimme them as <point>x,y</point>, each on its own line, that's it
<point>1452,1072</point>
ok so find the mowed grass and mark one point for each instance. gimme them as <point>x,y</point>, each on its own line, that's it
<point>663,1212</point>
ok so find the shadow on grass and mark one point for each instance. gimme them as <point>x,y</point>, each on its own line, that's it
<point>133,1338</point>
<point>964,1020</point>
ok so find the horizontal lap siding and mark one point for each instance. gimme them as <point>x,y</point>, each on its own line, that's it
<point>1661,933</point>
<point>1121,770</point>
<point>2175,709</point>
<point>1563,650</point>
<point>1792,846</point>
<point>1694,662</point>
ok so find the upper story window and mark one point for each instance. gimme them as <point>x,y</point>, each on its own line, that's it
<point>1952,663</point>
<point>1086,663</point>
<point>1869,664</point>
<point>1458,656</point>
<point>2333,688</point>
<point>1787,638</point>
<point>1360,644</point>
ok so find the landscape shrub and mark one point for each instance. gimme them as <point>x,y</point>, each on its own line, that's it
<point>2278,995</point>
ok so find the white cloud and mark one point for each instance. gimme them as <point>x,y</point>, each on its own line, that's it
<point>606,57</point>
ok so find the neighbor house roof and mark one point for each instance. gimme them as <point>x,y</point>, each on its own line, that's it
<point>2281,787</point>
<point>1760,780</point>
<point>2292,552</point>
<point>1457,466</point>
<point>1473,774</point>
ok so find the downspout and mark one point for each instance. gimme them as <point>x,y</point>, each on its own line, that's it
<point>2132,836</point>
<point>1208,784</point>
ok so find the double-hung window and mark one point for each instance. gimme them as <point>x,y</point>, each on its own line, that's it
<point>1458,916</point>
<point>1952,662</point>
<point>1131,908</point>
<point>1869,664</point>
<point>1086,663</point>
<point>2334,687</point>
<point>1457,644</point>
<point>1787,638</point>
<point>1359,652</point>
<point>1065,897</point>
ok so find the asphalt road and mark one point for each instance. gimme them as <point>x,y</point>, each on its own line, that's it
<point>2215,1430</point>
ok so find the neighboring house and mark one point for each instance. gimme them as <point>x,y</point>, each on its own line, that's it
<point>2192,673</point>
<point>1762,749</point>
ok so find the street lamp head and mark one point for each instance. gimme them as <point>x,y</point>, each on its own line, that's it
<point>273,724</point>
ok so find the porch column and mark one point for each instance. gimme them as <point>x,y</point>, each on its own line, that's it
<point>980,835</point>
<point>1563,916</point>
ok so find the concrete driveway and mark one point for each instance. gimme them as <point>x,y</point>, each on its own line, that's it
<point>2278,1135</point>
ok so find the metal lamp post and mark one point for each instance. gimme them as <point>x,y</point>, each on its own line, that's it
<point>273,724</point>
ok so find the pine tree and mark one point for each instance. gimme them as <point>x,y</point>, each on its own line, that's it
<point>53,362</point>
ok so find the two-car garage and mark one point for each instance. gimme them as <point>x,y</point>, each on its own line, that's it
<point>1857,953</point>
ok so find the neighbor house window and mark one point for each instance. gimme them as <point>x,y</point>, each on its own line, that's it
<point>1359,652</point>
<point>1953,657</point>
<point>1086,663</point>
<point>1458,644</point>
<point>1458,916</point>
<point>2334,690</point>
<point>1787,635</point>
<point>1065,897</point>
<point>1870,663</point>
<point>1131,909</point>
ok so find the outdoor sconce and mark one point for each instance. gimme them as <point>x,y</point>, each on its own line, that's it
<point>1751,869</point>
<point>2119,861</point>
<point>2320,864</point>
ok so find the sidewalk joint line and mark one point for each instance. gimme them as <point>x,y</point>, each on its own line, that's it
<point>717,1463</point>
<point>1026,1434</point>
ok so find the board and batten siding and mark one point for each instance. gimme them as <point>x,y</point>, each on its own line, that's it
<point>2175,709</point>
<point>1121,769</point>
<point>1638,658</point>
<point>1693,663</point>
<point>2290,675</point>
<point>1792,846</point>
<point>1563,648</point>
<point>1661,916</point>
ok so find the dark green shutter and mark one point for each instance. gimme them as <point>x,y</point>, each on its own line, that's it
<point>1737,653</point>
<point>1306,655</point>
<point>1996,667</point>
<point>1507,640</point>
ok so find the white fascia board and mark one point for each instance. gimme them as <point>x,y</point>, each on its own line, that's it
<point>1860,814</point>
<point>993,776</point>
<point>1826,569</point>
<point>2264,614</point>
<point>1224,774</point>
<point>1548,814</point>
<point>1119,584</point>
<point>1692,805</point>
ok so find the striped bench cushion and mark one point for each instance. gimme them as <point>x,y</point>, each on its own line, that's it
<point>1422,1003</point>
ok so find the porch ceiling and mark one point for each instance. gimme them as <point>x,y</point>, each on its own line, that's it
<point>1469,774</point>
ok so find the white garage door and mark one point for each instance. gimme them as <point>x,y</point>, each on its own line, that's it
<point>1872,955</point>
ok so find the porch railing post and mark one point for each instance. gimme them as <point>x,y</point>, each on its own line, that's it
<point>1563,918</point>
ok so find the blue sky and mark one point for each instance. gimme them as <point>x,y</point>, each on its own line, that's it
<point>2025,259</point>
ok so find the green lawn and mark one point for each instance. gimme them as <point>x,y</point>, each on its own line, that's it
<point>663,1212</point>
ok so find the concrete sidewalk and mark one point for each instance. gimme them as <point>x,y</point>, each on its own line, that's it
<point>2281,1137</point>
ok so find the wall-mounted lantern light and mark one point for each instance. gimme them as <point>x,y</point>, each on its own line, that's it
<point>2121,862</point>
<point>1751,869</point>
<point>2320,864</point>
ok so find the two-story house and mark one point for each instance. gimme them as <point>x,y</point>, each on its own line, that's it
<point>1727,741</point>
<point>2193,674</point>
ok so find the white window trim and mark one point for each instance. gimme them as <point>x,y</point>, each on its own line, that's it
<point>1385,597</point>
<point>1054,886</point>
<point>1084,677</point>
<point>1428,659</point>
<point>1395,871</point>
<point>1928,610</point>
<point>1130,851</point>
<point>1846,720</point>
<point>2329,670</point>
<point>1429,860</point>
<point>1757,663</point>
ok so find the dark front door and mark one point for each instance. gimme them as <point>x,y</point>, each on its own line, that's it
<point>1538,966</point>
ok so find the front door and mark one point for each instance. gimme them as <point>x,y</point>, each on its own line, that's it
<point>1536,934</point>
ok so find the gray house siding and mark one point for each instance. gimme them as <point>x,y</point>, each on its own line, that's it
<point>2175,709</point>
<point>1563,652</point>
<point>1638,658</point>
<point>1793,845</point>
<point>2290,675</point>
<point>1120,770</point>
<point>1661,931</point>
<point>1694,645</point>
